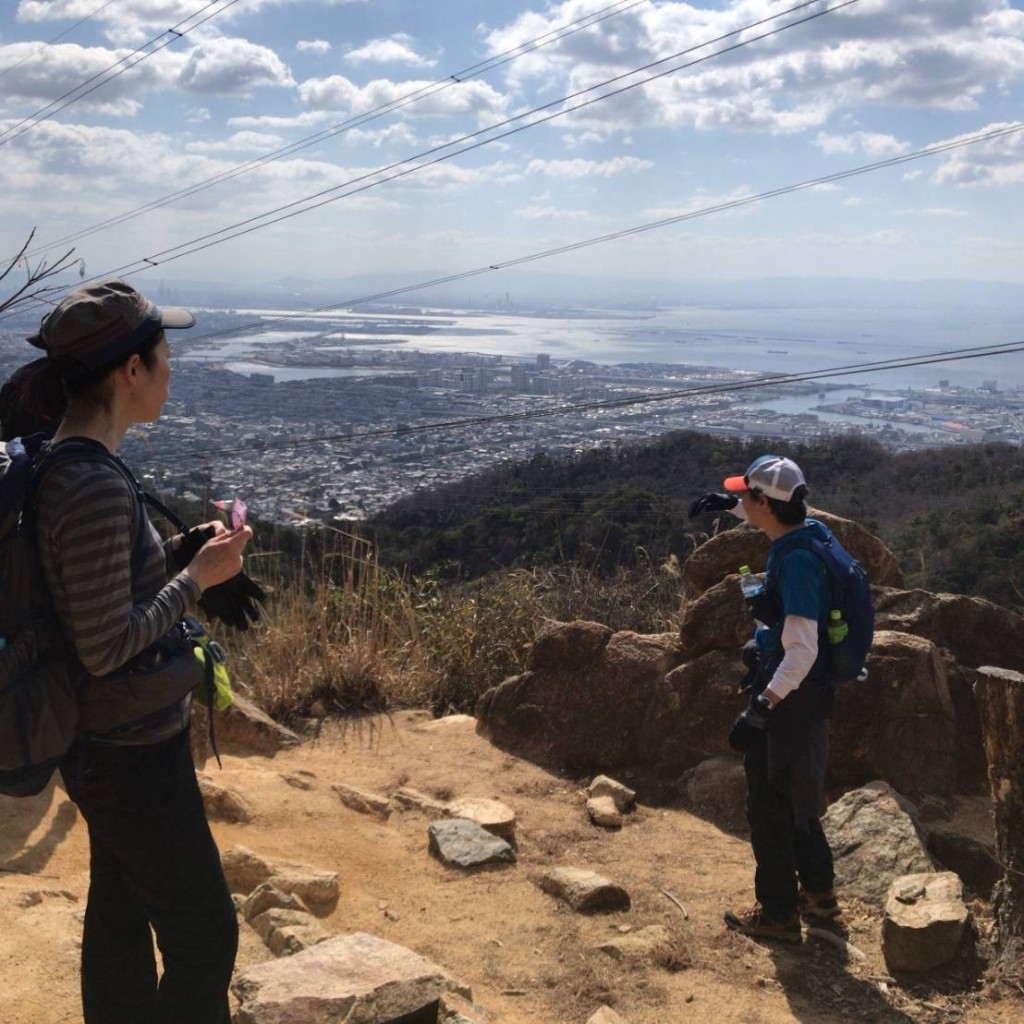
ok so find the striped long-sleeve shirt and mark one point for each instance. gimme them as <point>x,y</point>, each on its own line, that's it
<point>85,519</point>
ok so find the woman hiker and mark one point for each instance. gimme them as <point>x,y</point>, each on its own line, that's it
<point>154,867</point>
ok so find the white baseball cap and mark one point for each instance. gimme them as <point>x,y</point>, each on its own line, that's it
<point>771,475</point>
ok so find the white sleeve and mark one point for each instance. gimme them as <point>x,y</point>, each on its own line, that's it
<point>800,643</point>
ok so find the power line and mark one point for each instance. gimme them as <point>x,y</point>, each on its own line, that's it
<point>175,33</point>
<point>60,35</point>
<point>449,81</point>
<point>316,200</point>
<point>928,151</point>
<point>849,369</point>
<point>970,140</point>
<point>624,233</point>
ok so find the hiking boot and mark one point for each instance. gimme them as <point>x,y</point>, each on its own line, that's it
<point>819,906</point>
<point>758,925</point>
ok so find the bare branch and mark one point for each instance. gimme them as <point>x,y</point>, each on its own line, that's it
<point>38,277</point>
<point>17,259</point>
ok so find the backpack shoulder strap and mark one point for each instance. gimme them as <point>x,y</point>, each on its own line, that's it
<point>85,449</point>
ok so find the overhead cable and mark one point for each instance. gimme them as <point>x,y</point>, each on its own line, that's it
<point>402,168</point>
<point>409,98</point>
<point>56,38</point>
<point>142,53</point>
<point>638,229</point>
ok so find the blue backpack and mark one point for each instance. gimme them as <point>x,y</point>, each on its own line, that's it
<point>841,660</point>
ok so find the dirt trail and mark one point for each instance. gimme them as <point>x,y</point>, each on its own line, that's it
<point>525,955</point>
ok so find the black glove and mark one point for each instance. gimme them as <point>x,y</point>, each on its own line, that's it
<point>748,729</point>
<point>191,541</point>
<point>713,502</point>
<point>749,654</point>
<point>234,601</point>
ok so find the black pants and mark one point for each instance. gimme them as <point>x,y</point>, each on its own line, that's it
<point>785,851</point>
<point>153,864</point>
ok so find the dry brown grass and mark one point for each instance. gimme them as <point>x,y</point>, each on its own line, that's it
<point>349,635</point>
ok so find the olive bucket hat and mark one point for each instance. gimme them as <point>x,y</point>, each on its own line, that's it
<point>100,324</point>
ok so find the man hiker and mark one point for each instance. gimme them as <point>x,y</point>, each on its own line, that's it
<point>783,733</point>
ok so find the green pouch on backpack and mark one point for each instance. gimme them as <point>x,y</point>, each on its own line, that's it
<point>216,684</point>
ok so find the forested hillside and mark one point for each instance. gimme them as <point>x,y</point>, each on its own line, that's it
<point>955,516</point>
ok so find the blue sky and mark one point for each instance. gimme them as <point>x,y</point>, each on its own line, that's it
<point>877,79</point>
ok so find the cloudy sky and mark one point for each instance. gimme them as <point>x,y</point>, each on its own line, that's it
<point>344,94</point>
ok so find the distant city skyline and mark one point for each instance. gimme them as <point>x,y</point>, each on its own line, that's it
<point>875,80</point>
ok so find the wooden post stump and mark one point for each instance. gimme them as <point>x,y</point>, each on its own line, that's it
<point>1000,697</point>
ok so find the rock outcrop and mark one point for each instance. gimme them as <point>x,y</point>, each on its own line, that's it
<point>592,698</point>
<point>744,545</point>
<point>584,699</point>
<point>899,724</point>
<point>974,631</point>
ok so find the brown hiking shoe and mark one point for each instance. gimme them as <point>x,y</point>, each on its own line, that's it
<point>819,906</point>
<point>758,925</point>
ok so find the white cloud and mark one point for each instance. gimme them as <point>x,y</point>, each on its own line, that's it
<point>340,93</point>
<point>553,213</point>
<point>942,212</point>
<point>989,243</point>
<point>993,163</point>
<point>313,46</point>
<point>579,168</point>
<point>573,141</point>
<point>307,119</point>
<point>886,238</point>
<point>393,133</point>
<point>197,115</point>
<point>240,142</point>
<point>700,201</point>
<point>943,54</point>
<point>232,66</point>
<point>873,143</point>
<point>397,49</point>
<point>65,69</point>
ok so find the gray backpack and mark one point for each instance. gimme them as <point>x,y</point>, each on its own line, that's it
<point>39,673</point>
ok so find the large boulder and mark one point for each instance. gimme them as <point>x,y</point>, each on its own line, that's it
<point>875,838</point>
<point>586,711</point>
<point>568,647</point>
<point>716,790</point>
<point>899,723</point>
<point>976,632</point>
<point>690,713</point>
<point>718,620</point>
<point>744,545</point>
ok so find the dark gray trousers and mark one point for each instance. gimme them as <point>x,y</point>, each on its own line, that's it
<point>786,851</point>
<point>154,870</point>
